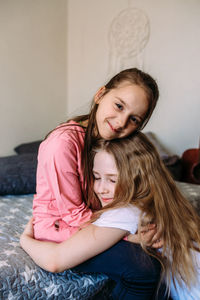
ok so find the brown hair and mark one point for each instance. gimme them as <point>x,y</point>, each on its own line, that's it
<point>133,76</point>
<point>145,182</point>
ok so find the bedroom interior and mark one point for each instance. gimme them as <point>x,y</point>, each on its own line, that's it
<point>54,55</point>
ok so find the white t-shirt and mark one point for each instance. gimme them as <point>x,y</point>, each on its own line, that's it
<point>126,218</point>
<point>183,292</point>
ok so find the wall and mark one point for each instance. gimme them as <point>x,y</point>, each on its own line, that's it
<point>54,55</point>
<point>32,70</point>
<point>171,56</point>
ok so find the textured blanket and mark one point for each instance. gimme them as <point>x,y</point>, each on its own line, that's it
<point>21,278</point>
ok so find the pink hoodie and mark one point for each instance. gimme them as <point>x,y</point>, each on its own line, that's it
<point>59,194</point>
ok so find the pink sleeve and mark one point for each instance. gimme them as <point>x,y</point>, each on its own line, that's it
<point>62,168</point>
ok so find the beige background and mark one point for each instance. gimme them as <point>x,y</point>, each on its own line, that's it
<point>32,69</point>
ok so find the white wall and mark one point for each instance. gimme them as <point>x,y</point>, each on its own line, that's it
<point>171,56</point>
<point>54,54</point>
<point>32,70</point>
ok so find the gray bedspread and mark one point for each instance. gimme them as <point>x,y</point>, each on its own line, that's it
<point>20,278</point>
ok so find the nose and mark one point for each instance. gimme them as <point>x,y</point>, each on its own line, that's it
<point>121,121</point>
<point>102,188</point>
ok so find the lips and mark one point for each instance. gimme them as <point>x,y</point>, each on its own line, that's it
<point>112,128</point>
<point>106,199</point>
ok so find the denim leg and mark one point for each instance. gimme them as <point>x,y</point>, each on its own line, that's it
<point>136,274</point>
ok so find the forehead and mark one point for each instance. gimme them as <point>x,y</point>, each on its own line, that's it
<point>104,163</point>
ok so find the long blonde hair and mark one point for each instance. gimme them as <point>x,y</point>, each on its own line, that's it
<point>145,182</point>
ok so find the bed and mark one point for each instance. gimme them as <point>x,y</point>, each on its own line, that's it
<point>20,278</point>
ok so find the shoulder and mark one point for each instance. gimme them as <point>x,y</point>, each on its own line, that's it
<point>71,131</point>
<point>128,211</point>
<point>66,142</point>
<point>126,218</point>
<point>64,137</point>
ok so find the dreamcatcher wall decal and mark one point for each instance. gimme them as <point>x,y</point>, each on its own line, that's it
<point>128,35</point>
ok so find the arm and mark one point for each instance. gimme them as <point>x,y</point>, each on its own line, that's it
<point>62,170</point>
<point>127,218</point>
<point>83,245</point>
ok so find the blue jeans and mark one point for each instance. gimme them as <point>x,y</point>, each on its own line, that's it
<point>136,274</point>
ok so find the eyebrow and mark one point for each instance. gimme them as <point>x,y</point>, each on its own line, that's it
<point>126,106</point>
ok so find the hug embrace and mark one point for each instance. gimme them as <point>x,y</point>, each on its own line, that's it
<point>105,202</point>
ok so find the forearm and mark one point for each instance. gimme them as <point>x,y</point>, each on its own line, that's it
<point>82,246</point>
<point>42,253</point>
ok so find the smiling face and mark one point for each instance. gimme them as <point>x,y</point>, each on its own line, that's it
<point>105,176</point>
<point>120,111</point>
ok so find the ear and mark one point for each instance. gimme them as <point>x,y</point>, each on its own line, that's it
<point>99,94</point>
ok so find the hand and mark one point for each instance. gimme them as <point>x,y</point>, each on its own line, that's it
<point>149,236</point>
<point>29,228</point>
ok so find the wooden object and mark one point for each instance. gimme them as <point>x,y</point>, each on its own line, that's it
<point>191,165</point>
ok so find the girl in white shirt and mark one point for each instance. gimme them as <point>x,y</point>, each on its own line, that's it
<point>135,189</point>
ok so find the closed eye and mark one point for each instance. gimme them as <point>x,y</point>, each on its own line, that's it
<point>113,181</point>
<point>97,178</point>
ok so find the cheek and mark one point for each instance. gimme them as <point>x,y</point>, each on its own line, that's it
<point>95,188</point>
<point>104,109</point>
<point>113,189</point>
<point>98,117</point>
<point>129,130</point>
<point>132,127</point>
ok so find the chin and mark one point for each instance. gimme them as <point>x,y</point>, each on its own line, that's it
<point>110,136</point>
<point>107,137</point>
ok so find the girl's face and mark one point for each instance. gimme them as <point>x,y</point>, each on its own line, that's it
<point>121,111</point>
<point>105,176</point>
